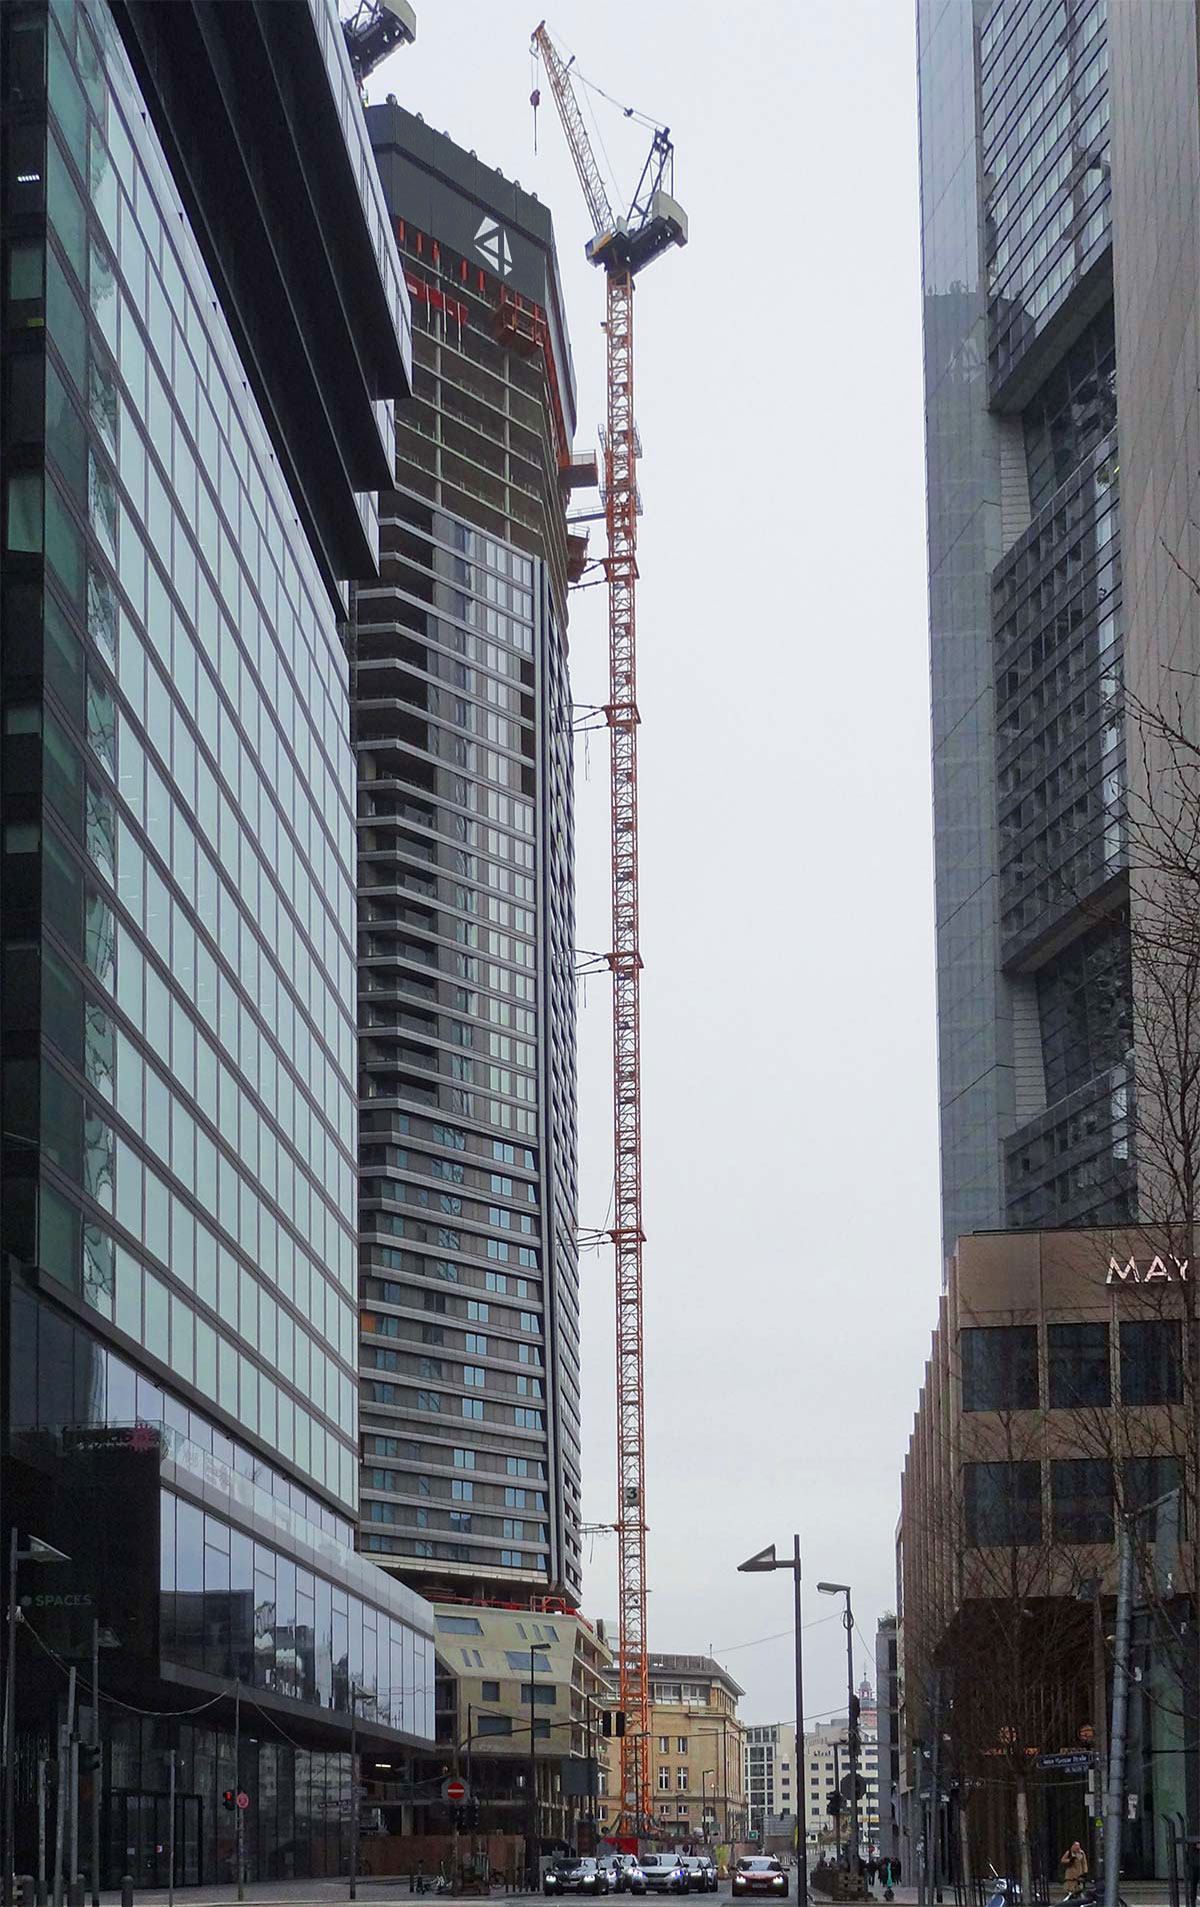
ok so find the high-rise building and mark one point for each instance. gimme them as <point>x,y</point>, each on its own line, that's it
<point>204,324</point>
<point>469,1281</point>
<point>1028,633</point>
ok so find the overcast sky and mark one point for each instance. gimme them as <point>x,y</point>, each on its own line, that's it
<point>791,1186</point>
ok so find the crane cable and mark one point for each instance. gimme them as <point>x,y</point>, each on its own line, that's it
<point>590,86</point>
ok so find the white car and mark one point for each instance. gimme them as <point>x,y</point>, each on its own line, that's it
<point>665,1874</point>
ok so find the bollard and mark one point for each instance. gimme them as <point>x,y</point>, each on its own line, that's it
<point>75,1891</point>
<point>127,1890</point>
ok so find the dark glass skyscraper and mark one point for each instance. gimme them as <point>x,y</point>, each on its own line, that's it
<point>204,324</point>
<point>1026,626</point>
<point>470,1308</point>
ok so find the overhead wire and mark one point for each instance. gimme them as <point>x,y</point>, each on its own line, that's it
<point>777,1636</point>
<point>105,1696</point>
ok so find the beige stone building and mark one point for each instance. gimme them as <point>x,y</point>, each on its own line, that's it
<point>695,1752</point>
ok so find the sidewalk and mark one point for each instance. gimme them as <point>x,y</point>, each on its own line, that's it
<point>371,1890</point>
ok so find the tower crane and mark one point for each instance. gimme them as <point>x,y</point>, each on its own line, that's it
<point>622,245</point>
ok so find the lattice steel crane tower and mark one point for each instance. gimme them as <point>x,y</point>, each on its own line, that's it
<point>622,246</point>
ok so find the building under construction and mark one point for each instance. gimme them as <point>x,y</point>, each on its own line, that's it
<point>470,1323</point>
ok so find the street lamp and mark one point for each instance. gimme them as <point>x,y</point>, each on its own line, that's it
<point>39,1551</point>
<point>843,1589</point>
<point>764,1561</point>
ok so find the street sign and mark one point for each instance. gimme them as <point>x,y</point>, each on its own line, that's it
<point>1077,1764</point>
<point>454,1790</point>
<point>243,1799</point>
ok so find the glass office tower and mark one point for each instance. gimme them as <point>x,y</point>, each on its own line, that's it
<point>1026,627</point>
<point>197,403</point>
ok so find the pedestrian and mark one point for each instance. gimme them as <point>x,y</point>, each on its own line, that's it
<point>1074,1864</point>
<point>871,1871</point>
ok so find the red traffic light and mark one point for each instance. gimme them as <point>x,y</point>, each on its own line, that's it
<point>229,1798</point>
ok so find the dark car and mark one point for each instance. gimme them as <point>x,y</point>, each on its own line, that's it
<point>584,1876</point>
<point>665,1874</point>
<point>759,1874</point>
<point>625,1872</point>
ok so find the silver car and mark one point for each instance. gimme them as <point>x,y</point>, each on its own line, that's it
<point>702,1875</point>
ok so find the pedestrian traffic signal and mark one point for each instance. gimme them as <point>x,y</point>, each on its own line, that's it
<point>229,1799</point>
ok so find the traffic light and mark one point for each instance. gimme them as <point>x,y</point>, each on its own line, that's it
<point>612,1721</point>
<point>834,1805</point>
<point>89,1758</point>
<point>855,1708</point>
<point>229,1799</point>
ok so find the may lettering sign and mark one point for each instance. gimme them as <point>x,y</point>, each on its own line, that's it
<point>1161,1269</point>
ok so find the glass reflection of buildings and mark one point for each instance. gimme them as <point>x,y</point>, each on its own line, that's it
<point>196,414</point>
<point>1026,623</point>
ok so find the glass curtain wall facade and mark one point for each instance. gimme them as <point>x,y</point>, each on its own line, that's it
<point>470,1314</point>
<point>178,918</point>
<point>1025,616</point>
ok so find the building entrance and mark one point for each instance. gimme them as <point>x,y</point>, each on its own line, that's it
<point>139,1839</point>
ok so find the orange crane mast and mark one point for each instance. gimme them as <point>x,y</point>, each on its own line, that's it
<point>622,245</point>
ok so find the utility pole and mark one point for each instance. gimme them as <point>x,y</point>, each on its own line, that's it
<point>1114,1806</point>
<point>354,1695</point>
<point>591,1778</point>
<point>531,1859</point>
<point>96,1762</point>
<point>1100,1734</point>
<point>10,1700</point>
<point>935,1796</point>
<point>66,1737</point>
<point>41,1831</point>
<point>171,1827</point>
<point>237,1789</point>
<point>455,1813</point>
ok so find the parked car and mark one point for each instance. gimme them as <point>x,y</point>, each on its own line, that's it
<point>586,1876</point>
<point>759,1874</point>
<point>702,1875</point>
<point>665,1874</point>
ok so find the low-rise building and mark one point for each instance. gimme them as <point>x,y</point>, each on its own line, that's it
<point>519,1700</point>
<point>695,1751</point>
<point>1058,1401</point>
<point>826,1767</point>
<point>887,1674</point>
